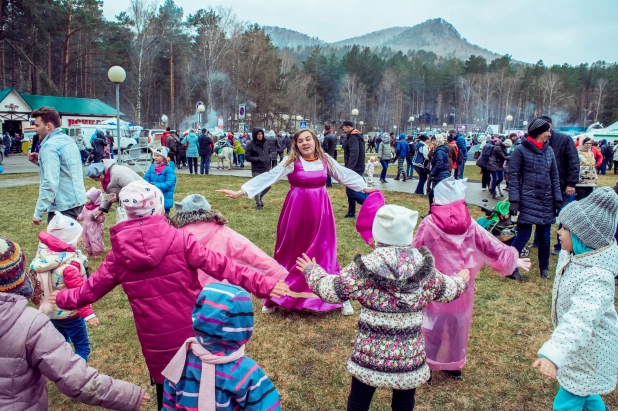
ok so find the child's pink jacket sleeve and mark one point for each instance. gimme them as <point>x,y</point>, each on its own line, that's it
<point>100,283</point>
<point>222,268</point>
<point>498,255</point>
<point>73,278</point>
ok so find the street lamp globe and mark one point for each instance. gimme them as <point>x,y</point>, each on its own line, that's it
<point>201,108</point>
<point>362,123</point>
<point>443,124</point>
<point>509,118</point>
<point>116,74</point>
<point>355,112</point>
<point>285,117</point>
<point>394,127</point>
<point>525,123</point>
<point>300,118</point>
<point>411,119</point>
<point>164,118</point>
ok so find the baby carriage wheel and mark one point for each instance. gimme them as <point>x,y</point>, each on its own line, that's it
<point>525,252</point>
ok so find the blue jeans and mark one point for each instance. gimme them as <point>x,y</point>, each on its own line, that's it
<point>74,330</point>
<point>422,179</point>
<point>565,401</point>
<point>496,178</point>
<point>409,167</point>
<point>354,197</point>
<point>235,159</point>
<point>204,164</point>
<point>459,172</point>
<point>241,160</point>
<point>603,168</point>
<point>384,164</point>
<point>543,232</point>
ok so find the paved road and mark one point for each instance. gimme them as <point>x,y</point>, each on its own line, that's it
<point>20,164</point>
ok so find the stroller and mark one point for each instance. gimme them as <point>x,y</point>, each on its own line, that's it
<point>498,222</point>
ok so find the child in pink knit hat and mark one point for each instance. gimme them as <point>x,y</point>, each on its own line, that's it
<point>92,237</point>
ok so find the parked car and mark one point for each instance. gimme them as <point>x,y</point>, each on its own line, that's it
<point>150,137</point>
<point>87,130</point>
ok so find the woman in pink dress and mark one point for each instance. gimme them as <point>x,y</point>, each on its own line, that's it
<point>306,223</point>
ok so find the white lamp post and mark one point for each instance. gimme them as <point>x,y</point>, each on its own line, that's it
<point>354,114</point>
<point>116,74</point>
<point>525,123</point>
<point>361,123</point>
<point>200,109</point>
<point>509,118</point>
<point>164,120</point>
<point>444,125</point>
<point>411,120</point>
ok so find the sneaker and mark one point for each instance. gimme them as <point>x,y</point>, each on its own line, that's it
<point>347,309</point>
<point>545,274</point>
<point>349,215</point>
<point>555,251</point>
<point>454,374</point>
<point>268,310</point>
<point>483,189</point>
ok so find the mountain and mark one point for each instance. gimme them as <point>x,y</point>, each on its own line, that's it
<point>434,35</point>
<point>286,38</point>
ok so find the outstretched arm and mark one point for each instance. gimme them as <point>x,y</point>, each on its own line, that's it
<point>331,288</point>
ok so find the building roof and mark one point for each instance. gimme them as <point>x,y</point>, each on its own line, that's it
<point>65,105</point>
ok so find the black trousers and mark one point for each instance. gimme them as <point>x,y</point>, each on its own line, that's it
<point>192,164</point>
<point>258,197</point>
<point>485,178</point>
<point>361,395</point>
<point>71,212</point>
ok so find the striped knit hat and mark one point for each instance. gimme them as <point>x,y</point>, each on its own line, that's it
<point>13,277</point>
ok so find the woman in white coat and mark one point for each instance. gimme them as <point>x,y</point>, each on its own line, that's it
<point>582,353</point>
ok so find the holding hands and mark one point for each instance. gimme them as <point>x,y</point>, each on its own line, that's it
<point>304,261</point>
<point>280,290</point>
<point>465,274</point>
<point>232,194</point>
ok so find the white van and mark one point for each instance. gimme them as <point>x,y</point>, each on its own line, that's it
<point>87,130</point>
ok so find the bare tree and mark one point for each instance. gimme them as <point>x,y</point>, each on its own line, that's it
<point>466,85</point>
<point>552,90</point>
<point>601,84</point>
<point>352,91</point>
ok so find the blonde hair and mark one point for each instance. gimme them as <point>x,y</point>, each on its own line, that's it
<point>295,154</point>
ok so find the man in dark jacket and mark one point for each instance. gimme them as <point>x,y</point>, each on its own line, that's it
<point>329,145</point>
<point>281,144</point>
<point>98,146</point>
<point>205,144</point>
<point>607,154</point>
<point>462,154</point>
<point>258,153</point>
<point>273,149</point>
<point>354,159</point>
<point>567,160</point>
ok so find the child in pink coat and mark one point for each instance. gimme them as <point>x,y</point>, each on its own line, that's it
<point>157,266</point>
<point>457,242</point>
<point>195,216</point>
<point>92,237</point>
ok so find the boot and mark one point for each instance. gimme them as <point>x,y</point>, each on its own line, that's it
<point>351,209</point>
<point>397,178</point>
<point>545,274</point>
<point>454,374</point>
<point>517,277</point>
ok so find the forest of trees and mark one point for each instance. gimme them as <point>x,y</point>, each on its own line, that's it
<point>65,47</point>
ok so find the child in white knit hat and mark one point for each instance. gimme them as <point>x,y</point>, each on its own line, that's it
<point>369,169</point>
<point>59,264</point>
<point>582,352</point>
<point>393,284</point>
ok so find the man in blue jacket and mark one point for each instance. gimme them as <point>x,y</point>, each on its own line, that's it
<point>462,154</point>
<point>60,166</point>
<point>401,150</point>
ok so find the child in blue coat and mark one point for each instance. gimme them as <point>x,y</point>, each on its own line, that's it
<point>162,175</point>
<point>211,370</point>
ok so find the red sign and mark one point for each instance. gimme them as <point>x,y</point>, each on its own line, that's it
<point>73,121</point>
<point>462,128</point>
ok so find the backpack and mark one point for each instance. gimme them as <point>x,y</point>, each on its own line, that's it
<point>460,157</point>
<point>607,151</point>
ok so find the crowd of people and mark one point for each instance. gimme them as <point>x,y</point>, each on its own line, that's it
<point>415,288</point>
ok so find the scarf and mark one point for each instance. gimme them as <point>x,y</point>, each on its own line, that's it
<point>159,167</point>
<point>106,179</point>
<point>173,371</point>
<point>538,144</point>
<point>91,206</point>
<point>578,246</point>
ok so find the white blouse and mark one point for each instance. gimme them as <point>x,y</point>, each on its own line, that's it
<point>343,175</point>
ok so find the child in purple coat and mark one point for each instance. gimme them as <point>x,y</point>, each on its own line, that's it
<point>92,237</point>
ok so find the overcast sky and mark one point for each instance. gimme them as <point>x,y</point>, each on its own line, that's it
<point>557,31</point>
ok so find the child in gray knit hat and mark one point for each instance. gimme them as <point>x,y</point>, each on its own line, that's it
<point>582,353</point>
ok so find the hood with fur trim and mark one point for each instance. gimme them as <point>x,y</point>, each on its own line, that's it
<point>198,216</point>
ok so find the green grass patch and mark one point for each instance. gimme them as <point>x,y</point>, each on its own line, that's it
<point>305,353</point>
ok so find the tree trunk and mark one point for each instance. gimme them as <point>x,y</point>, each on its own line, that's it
<point>2,63</point>
<point>49,73</point>
<point>172,93</point>
<point>67,44</point>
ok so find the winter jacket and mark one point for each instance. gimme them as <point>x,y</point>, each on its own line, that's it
<point>273,146</point>
<point>81,143</point>
<point>583,343</point>
<point>181,150</point>
<point>567,159</point>
<point>166,182</point>
<point>32,351</point>
<point>440,163</point>
<point>154,261</point>
<point>223,322</point>
<point>191,141</point>
<point>587,169</point>
<point>164,137</point>
<point>238,148</point>
<point>385,153</point>
<point>461,146</point>
<point>393,285</point>
<point>98,146</point>
<point>119,178</point>
<point>210,229</point>
<point>330,144</point>
<point>354,152</point>
<point>172,144</point>
<point>411,149</point>
<point>280,144</point>
<point>615,148</point>
<point>59,266</point>
<point>61,175</point>
<point>258,154</point>
<point>453,153</point>
<point>402,148</point>
<point>534,183</point>
<point>605,149</point>
<point>497,158</point>
<point>421,156</point>
<point>205,145</point>
<point>92,236</point>
<point>486,151</point>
